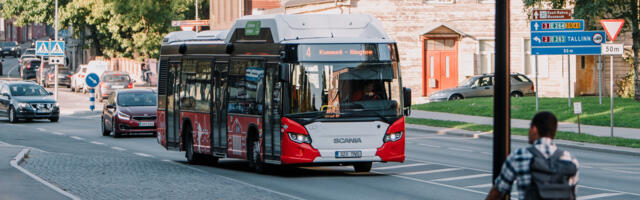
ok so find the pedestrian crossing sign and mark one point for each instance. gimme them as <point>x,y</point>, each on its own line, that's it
<point>42,48</point>
<point>50,48</point>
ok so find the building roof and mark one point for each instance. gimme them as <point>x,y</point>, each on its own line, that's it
<point>354,27</point>
<point>294,3</point>
<point>443,28</point>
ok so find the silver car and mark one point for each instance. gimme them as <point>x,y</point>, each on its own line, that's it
<point>482,86</point>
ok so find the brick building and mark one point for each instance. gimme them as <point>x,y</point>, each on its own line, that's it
<point>11,32</point>
<point>442,42</point>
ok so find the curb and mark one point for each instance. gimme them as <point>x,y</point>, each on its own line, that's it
<point>19,159</point>
<point>519,138</point>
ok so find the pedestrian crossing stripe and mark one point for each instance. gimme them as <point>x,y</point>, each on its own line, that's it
<point>43,49</point>
<point>56,49</point>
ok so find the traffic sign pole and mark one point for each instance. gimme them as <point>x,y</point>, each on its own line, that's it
<point>92,99</point>
<point>600,78</point>
<point>569,80</point>
<point>537,87</point>
<point>611,94</point>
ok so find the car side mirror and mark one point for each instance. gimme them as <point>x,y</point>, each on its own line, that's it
<point>6,95</point>
<point>407,101</point>
<point>50,93</point>
<point>110,106</point>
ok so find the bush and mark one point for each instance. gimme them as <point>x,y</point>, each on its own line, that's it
<point>625,87</point>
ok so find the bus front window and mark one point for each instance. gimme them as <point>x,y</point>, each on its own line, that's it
<point>345,89</point>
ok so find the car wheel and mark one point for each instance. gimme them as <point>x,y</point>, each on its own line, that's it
<point>54,119</point>
<point>254,161</point>
<point>516,94</point>
<point>362,167</point>
<point>116,134</point>
<point>104,129</point>
<point>455,97</point>
<point>12,115</point>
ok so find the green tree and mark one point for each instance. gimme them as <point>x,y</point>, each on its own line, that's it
<point>592,11</point>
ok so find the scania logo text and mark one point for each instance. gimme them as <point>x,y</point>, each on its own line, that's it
<point>347,140</point>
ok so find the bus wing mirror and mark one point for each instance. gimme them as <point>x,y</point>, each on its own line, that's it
<point>284,73</point>
<point>407,101</point>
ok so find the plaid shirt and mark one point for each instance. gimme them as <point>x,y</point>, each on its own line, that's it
<point>517,167</point>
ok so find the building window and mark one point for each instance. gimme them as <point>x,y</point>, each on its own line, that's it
<point>530,62</point>
<point>485,57</point>
<point>439,1</point>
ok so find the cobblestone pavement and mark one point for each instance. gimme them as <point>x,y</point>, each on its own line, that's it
<point>125,176</point>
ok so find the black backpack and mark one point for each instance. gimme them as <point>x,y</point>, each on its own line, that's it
<point>550,177</point>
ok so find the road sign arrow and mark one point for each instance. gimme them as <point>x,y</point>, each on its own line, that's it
<point>535,14</point>
<point>612,27</point>
<point>536,26</point>
<point>537,39</point>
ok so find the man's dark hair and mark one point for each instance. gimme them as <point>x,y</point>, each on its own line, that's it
<point>546,123</point>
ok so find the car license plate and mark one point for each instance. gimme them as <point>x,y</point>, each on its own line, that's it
<point>42,110</point>
<point>117,86</point>
<point>348,154</point>
<point>146,124</point>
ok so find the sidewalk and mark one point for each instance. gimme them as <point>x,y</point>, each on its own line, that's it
<point>17,185</point>
<point>605,131</point>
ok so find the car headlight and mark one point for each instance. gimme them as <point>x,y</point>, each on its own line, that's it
<point>13,49</point>
<point>299,138</point>
<point>22,105</point>
<point>392,137</point>
<point>123,116</point>
<point>55,105</point>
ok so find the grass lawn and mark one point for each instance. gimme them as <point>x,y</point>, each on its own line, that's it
<point>626,110</point>
<point>623,142</point>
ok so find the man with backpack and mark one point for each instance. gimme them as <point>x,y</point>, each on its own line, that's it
<point>542,170</point>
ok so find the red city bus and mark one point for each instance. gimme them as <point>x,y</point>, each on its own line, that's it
<point>286,90</point>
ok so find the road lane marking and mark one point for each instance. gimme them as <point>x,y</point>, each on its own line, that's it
<point>165,160</point>
<point>459,149</point>
<point>98,143</point>
<point>42,129</point>
<point>430,171</point>
<point>462,177</point>
<point>401,166</point>
<point>481,186</point>
<point>435,183</point>
<point>595,196</point>
<point>77,138</point>
<point>144,155</point>
<point>118,148</point>
<point>621,171</point>
<point>428,145</point>
<point>57,133</point>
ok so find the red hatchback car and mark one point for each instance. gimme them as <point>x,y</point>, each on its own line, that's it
<point>130,111</point>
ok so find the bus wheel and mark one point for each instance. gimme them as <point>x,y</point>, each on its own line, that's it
<point>362,167</point>
<point>254,157</point>
<point>192,157</point>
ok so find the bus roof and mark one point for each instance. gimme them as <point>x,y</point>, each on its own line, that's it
<point>316,28</point>
<point>189,36</point>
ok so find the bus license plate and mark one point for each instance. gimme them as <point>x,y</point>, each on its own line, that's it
<point>146,124</point>
<point>348,154</point>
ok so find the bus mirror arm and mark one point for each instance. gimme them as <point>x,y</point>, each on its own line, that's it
<point>407,101</point>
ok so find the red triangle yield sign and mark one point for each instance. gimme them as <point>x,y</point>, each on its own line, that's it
<point>612,27</point>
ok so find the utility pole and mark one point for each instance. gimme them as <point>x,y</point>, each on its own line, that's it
<point>501,98</point>
<point>56,40</point>
<point>197,18</point>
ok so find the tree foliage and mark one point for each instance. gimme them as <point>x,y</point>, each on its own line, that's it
<point>113,27</point>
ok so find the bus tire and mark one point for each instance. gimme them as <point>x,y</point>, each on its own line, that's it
<point>362,167</point>
<point>255,161</point>
<point>192,157</point>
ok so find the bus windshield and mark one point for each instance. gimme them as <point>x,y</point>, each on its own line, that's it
<point>344,89</point>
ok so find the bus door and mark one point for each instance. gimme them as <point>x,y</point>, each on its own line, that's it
<point>173,118</point>
<point>272,113</point>
<point>219,117</point>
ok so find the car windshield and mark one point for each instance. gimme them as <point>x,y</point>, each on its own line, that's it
<point>28,90</point>
<point>30,51</point>
<point>137,99</point>
<point>467,82</point>
<point>8,44</point>
<point>116,78</point>
<point>344,89</point>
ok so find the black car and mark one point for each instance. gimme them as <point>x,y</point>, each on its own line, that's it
<point>10,49</point>
<point>29,68</point>
<point>27,100</point>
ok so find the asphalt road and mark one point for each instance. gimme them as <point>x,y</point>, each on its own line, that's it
<point>437,167</point>
<point>10,67</point>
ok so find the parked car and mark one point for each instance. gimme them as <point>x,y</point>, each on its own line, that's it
<point>10,49</point>
<point>27,100</point>
<point>64,76</point>
<point>130,111</point>
<point>28,53</point>
<point>112,81</point>
<point>482,86</point>
<point>29,68</point>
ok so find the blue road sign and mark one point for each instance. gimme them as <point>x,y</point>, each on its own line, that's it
<point>57,48</point>
<point>557,25</point>
<point>92,80</point>
<point>567,42</point>
<point>42,48</point>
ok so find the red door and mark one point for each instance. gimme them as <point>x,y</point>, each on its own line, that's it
<point>440,65</point>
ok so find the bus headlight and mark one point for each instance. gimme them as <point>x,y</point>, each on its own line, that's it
<point>299,138</point>
<point>392,137</point>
